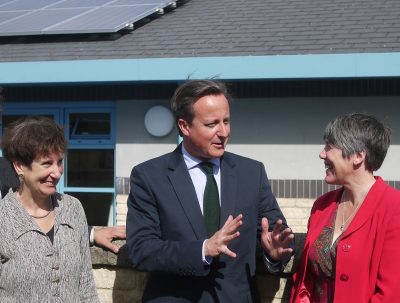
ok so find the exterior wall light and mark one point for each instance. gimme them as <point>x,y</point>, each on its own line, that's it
<point>159,121</point>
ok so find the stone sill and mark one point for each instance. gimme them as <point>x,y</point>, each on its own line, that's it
<point>101,256</point>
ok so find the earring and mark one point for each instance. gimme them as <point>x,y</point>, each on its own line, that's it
<point>21,179</point>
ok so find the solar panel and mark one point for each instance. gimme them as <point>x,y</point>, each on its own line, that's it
<point>39,17</point>
<point>25,5</point>
<point>4,16</point>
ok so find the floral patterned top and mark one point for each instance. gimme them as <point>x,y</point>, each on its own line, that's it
<point>321,265</point>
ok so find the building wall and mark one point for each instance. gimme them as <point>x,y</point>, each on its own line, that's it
<point>284,134</point>
<point>133,143</point>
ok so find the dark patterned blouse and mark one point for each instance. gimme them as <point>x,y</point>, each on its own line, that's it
<point>321,265</point>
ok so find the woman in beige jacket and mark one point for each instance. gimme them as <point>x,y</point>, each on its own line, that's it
<point>44,249</point>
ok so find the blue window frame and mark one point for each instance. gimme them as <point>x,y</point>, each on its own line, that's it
<point>88,125</point>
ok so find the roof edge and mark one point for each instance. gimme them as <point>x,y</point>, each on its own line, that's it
<point>225,68</point>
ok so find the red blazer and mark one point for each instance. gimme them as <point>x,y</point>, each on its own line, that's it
<point>368,253</point>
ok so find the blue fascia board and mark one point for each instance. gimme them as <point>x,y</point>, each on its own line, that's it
<point>224,68</point>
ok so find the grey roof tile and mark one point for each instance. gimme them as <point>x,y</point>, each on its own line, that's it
<point>234,27</point>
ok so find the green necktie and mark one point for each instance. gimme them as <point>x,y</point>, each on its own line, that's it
<point>211,208</point>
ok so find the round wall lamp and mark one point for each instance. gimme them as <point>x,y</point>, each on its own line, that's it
<point>159,121</point>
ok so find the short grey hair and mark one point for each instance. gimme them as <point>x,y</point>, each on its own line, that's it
<point>358,132</point>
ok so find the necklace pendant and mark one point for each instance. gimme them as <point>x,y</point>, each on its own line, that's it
<point>341,227</point>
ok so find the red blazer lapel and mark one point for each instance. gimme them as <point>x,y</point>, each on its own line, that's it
<point>368,207</point>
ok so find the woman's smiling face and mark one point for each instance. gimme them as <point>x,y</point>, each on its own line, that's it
<point>42,177</point>
<point>338,167</point>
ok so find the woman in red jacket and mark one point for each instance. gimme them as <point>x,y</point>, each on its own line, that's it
<point>353,242</point>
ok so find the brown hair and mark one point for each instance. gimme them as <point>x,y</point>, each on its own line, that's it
<point>28,138</point>
<point>189,92</point>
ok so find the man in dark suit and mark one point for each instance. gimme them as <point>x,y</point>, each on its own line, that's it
<point>168,222</point>
<point>101,236</point>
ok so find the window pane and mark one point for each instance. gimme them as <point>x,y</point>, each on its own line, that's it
<point>90,168</point>
<point>97,206</point>
<point>7,119</point>
<point>89,125</point>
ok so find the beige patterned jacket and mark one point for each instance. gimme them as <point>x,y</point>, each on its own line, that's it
<point>32,269</point>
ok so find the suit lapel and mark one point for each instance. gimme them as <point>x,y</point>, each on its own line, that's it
<point>184,189</point>
<point>228,187</point>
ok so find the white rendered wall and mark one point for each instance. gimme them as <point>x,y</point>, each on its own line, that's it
<point>302,162</point>
<point>284,134</point>
<point>134,143</point>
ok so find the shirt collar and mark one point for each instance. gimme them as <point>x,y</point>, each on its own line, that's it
<point>191,161</point>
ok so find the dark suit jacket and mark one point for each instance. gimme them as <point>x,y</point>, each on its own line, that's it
<point>8,178</point>
<point>165,230</point>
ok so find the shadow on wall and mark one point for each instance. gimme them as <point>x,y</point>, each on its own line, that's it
<point>128,284</point>
<point>277,288</point>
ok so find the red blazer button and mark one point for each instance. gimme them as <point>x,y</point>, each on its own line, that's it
<point>344,277</point>
<point>346,247</point>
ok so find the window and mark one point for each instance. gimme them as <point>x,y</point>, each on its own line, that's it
<point>90,164</point>
<point>11,118</point>
<point>90,168</point>
<point>89,125</point>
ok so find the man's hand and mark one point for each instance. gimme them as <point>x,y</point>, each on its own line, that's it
<point>103,236</point>
<point>218,243</point>
<point>276,242</point>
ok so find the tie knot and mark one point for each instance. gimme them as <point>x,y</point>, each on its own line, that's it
<point>206,167</point>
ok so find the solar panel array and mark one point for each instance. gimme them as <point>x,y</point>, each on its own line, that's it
<point>39,17</point>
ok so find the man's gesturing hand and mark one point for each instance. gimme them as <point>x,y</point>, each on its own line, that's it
<point>218,243</point>
<point>276,242</point>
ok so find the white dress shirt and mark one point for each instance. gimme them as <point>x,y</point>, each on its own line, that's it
<point>199,180</point>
